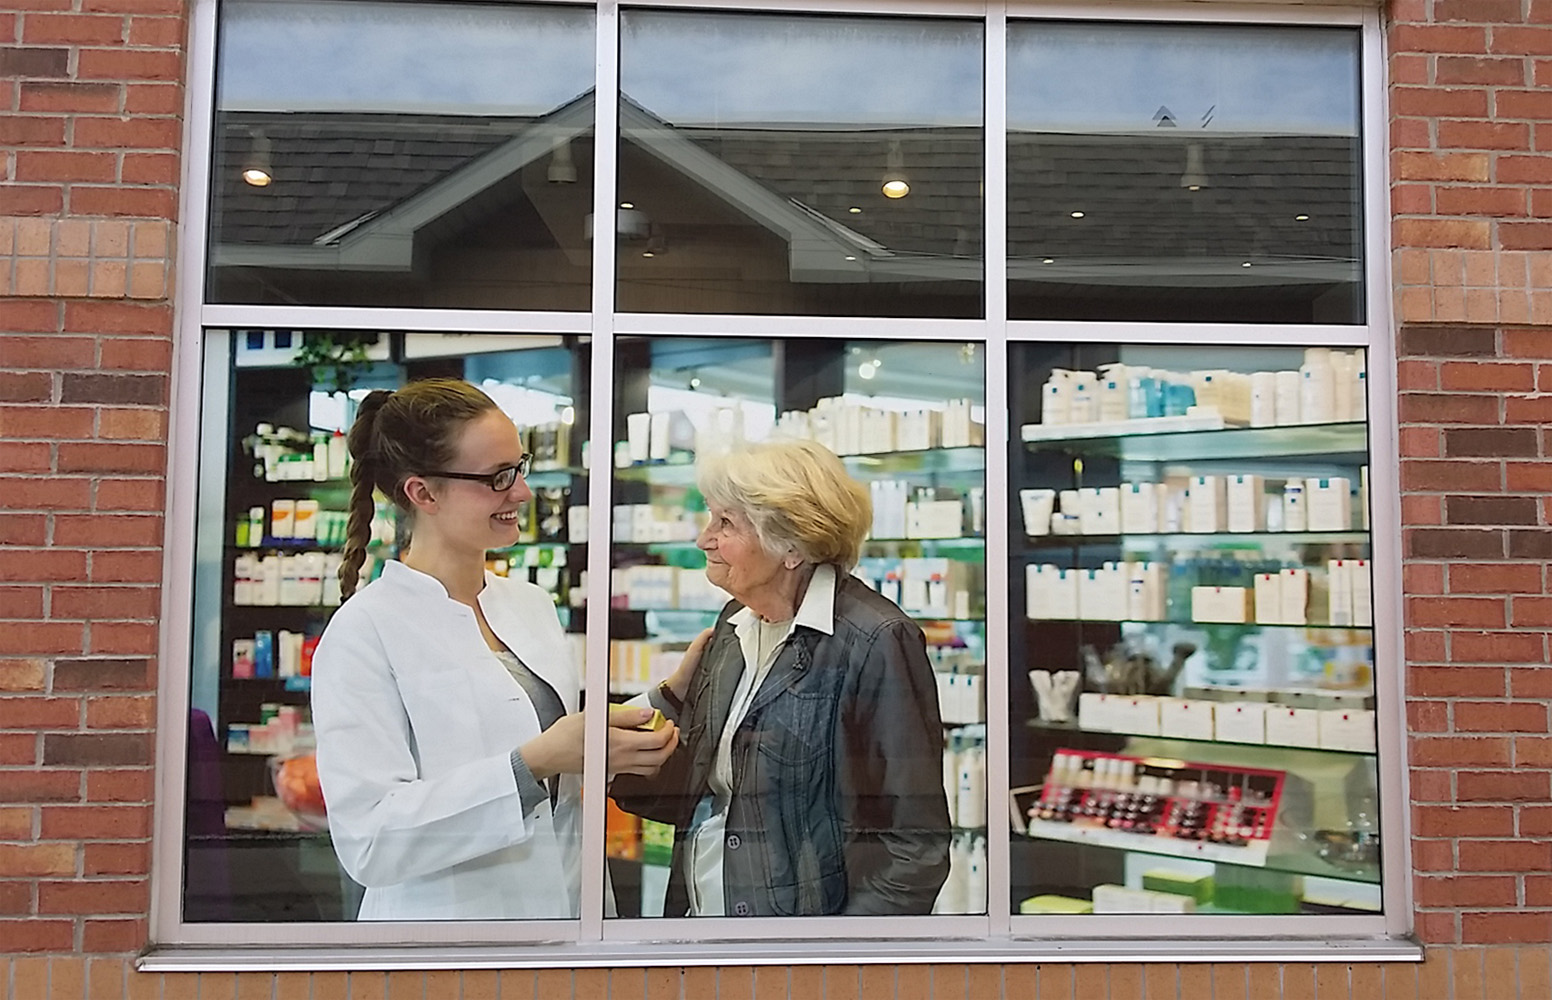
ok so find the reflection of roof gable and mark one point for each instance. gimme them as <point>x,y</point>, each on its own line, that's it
<point>354,191</point>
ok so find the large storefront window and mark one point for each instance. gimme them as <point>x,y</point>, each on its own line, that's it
<point>857,587</point>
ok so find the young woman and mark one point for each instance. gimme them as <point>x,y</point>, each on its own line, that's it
<point>445,697</point>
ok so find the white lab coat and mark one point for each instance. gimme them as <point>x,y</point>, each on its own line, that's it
<point>416,722</point>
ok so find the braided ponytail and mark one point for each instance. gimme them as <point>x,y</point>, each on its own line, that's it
<point>397,435</point>
<point>358,528</point>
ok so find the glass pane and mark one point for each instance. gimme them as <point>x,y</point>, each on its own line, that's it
<point>801,165</point>
<point>1211,173</point>
<point>394,771</point>
<point>1197,730</point>
<point>831,755</point>
<point>397,154</point>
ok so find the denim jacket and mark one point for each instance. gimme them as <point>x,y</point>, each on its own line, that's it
<point>838,804</point>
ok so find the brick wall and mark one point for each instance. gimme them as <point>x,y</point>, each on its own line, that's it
<point>90,125</point>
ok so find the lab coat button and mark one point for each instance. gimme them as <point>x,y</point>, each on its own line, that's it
<point>734,843</point>
<point>741,909</point>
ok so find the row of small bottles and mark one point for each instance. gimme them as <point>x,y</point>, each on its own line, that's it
<point>285,454</point>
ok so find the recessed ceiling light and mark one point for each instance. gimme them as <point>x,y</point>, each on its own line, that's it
<point>854,210</point>
<point>896,189</point>
<point>850,257</point>
<point>649,253</point>
<point>1077,215</point>
<point>627,204</point>
<point>1246,264</point>
<point>1049,260</point>
<point>1301,218</point>
<point>256,177</point>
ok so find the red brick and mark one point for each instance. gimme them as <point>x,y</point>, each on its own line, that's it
<point>1442,233</point>
<point>120,784</point>
<point>124,712</point>
<point>127,133</point>
<point>1476,376</point>
<point>1501,578</point>
<point>1501,202</point>
<point>18,748</point>
<point>1464,69</point>
<point>1453,475</point>
<point>1531,682</point>
<point>1460,751</point>
<point>1474,890</point>
<point>125,567</point>
<point>1427,716</point>
<point>1500,717</point>
<point>1408,69</point>
<point>123,424</point>
<point>1504,786</point>
<point>42,566</point>
<point>70,97</point>
<point>1417,375</point>
<point>1422,578</point>
<point>23,529</point>
<point>1432,785</point>
<point>117,317</point>
<point>1430,166</point>
<point>1538,890</point>
<point>156,32</point>
<point>97,897</point>
<point>49,352</point>
<point>47,422</point>
<point>31,130</point>
<point>1525,235</point>
<point>117,859</point>
<point>101,531</point>
<point>1535,477</point>
<point>1454,682</point>
<point>96,822</point>
<point>99,603</point>
<point>145,7</point>
<point>1483,135</point>
<point>150,168</point>
<point>149,64</point>
<point>1423,646</point>
<point>1522,170</point>
<point>1419,442</point>
<point>1463,821</point>
<point>116,936</point>
<point>41,638</point>
<point>1521,41</point>
<point>21,602</point>
<point>1433,38</point>
<point>130,494</point>
<point>141,202</point>
<point>1535,821</point>
<point>1472,612</point>
<point>53,493</point>
<point>31,199</point>
<point>1522,927</point>
<point>26,387</point>
<point>20,457</point>
<point>123,638</point>
<point>1411,199</point>
<point>40,713</point>
<point>1528,409</point>
<point>33,935</point>
<point>51,785</point>
<point>1496,647</point>
<point>1532,751</point>
<point>1410,133</point>
<point>1535,105</point>
<point>1447,408</point>
<point>1531,612</point>
<point>153,99</point>
<point>80,29</point>
<point>1494,12</point>
<point>136,354</point>
<point>130,458</point>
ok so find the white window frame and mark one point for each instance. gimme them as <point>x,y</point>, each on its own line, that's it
<point>594,941</point>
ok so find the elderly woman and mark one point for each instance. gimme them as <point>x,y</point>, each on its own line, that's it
<point>809,778</point>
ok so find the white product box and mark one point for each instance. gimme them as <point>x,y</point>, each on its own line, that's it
<point>1363,496</point>
<point>1263,399</point>
<point>1135,714</point>
<point>1247,509</point>
<point>1186,719</point>
<point>1228,605</point>
<point>638,436</point>
<point>1292,727</point>
<point>1347,729</point>
<point>1329,504</point>
<point>1290,388</point>
<point>1099,510</point>
<point>1037,506</point>
<point>1145,592</point>
<point>1363,592</point>
<point>1207,501</point>
<point>1052,593</point>
<point>1102,593</point>
<point>1240,722</point>
<point>1340,587</point>
<point>1294,586</point>
<point>1269,598</point>
<point>934,519</point>
<point>282,518</point>
<point>1094,712</point>
<point>1139,508</point>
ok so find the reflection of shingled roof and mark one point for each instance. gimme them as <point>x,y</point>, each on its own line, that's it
<point>333,169</point>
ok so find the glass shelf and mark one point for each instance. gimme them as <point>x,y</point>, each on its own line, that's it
<point>1195,624</point>
<point>882,464</point>
<point>1176,442</point>
<point>543,478</point>
<point>1072,728</point>
<point>1216,540</point>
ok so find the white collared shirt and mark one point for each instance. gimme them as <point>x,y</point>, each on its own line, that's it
<point>815,611</point>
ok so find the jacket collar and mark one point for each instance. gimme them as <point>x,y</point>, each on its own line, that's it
<point>816,610</point>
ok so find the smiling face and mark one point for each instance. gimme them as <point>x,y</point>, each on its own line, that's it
<point>735,559</point>
<point>470,515</point>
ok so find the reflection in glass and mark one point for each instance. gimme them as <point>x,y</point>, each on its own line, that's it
<point>779,769</point>
<point>1211,173</point>
<point>800,165</point>
<point>396,154</point>
<point>1197,731</point>
<point>275,502</point>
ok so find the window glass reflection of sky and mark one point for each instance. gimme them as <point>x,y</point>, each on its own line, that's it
<point>773,70</point>
<point>442,57</point>
<point>1071,77</point>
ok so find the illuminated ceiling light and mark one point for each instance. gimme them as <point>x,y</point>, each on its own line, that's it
<point>1301,218</point>
<point>1049,260</point>
<point>1077,215</point>
<point>895,184</point>
<point>1246,264</point>
<point>649,253</point>
<point>868,369</point>
<point>257,169</point>
<point>1195,177</point>
<point>850,257</point>
<point>854,210</point>
<point>627,204</point>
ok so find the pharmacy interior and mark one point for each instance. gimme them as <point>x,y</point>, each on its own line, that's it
<point>1125,443</point>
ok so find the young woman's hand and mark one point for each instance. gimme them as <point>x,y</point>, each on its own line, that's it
<point>558,750</point>
<point>679,681</point>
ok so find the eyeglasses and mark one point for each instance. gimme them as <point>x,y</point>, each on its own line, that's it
<point>501,480</point>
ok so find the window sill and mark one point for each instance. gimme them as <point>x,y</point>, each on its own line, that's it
<point>891,952</point>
